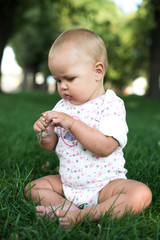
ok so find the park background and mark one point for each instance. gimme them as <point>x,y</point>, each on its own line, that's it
<point>132,39</point>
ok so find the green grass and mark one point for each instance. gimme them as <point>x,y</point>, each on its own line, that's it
<point>21,161</point>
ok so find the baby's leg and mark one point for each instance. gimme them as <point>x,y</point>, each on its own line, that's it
<point>48,190</point>
<point>117,198</point>
<point>123,195</point>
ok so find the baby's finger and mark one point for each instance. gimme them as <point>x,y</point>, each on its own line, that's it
<point>36,129</point>
<point>49,116</point>
<point>55,121</point>
<point>43,121</point>
<point>41,126</point>
<point>44,114</point>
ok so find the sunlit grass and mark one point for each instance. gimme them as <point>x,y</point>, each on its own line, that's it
<point>22,160</point>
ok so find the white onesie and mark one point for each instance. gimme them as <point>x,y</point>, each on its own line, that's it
<point>84,174</point>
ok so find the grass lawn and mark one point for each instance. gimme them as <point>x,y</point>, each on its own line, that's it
<point>21,161</point>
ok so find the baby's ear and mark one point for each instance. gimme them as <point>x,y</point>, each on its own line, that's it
<point>99,71</point>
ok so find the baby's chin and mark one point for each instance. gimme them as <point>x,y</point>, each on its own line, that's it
<point>74,102</point>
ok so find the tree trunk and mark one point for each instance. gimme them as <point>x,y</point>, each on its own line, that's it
<point>7,13</point>
<point>154,76</point>
<point>24,84</point>
<point>5,28</point>
<point>35,85</point>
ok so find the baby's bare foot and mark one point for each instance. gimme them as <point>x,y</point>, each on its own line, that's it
<point>53,211</point>
<point>68,219</point>
<point>46,210</point>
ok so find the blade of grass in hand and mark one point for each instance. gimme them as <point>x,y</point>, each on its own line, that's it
<point>40,137</point>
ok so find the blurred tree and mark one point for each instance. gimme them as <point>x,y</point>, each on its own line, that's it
<point>136,42</point>
<point>145,42</point>
<point>154,75</point>
<point>11,20</point>
<point>32,43</point>
<point>36,23</point>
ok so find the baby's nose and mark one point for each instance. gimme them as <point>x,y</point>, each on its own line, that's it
<point>64,85</point>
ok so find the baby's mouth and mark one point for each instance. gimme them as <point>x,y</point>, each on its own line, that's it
<point>68,97</point>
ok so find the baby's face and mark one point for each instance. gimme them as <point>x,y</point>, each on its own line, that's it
<point>75,75</point>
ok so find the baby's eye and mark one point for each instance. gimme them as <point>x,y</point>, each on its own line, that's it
<point>58,80</point>
<point>70,79</point>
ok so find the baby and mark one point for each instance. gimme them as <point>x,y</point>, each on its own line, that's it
<point>88,131</point>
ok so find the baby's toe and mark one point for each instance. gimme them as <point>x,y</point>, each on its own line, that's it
<point>40,209</point>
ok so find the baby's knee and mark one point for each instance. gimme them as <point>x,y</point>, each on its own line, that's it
<point>28,189</point>
<point>142,197</point>
<point>146,196</point>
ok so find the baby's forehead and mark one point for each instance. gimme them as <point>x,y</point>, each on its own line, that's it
<point>64,46</point>
<point>67,57</point>
<point>68,48</point>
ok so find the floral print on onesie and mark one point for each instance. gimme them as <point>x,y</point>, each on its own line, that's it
<point>84,174</point>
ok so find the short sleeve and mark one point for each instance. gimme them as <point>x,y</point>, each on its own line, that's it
<point>113,118</point>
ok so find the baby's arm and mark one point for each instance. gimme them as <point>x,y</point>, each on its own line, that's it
<point>93,140</point>
<point>48,139</point>
<point>90,138</point>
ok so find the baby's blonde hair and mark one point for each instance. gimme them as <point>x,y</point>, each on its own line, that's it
<point>84,40</point>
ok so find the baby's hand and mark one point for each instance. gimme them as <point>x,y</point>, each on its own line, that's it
<point>58,119</point>
<point>41,126</point>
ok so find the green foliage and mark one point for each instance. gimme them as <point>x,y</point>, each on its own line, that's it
<point>33,42</point>
<point>22,160</point>
<point>36,23</point>
<point>126,36</point>
<point>143,38</point>
<point>44,21</point>
<point>8,7</point>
